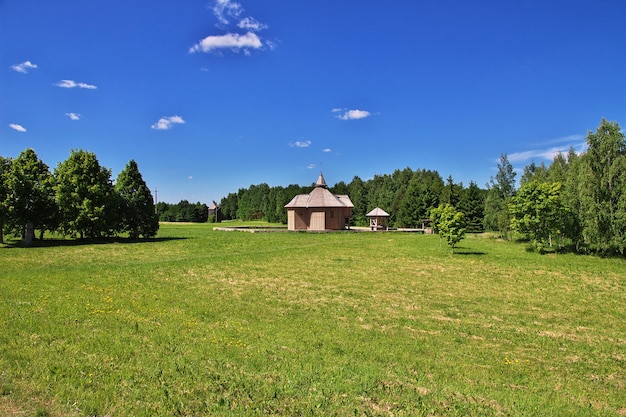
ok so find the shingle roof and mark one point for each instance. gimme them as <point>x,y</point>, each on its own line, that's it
<point>320,197</point>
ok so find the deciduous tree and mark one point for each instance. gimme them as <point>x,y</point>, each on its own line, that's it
<point>30,197</point>
<point>602,188</point>
<point>86,197</point>
<point>449,223</point>
<point>537,211</point>
<point>5,167</point>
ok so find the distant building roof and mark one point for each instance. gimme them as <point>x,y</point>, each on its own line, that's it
<point>377,212</point>
<point>320,197</point>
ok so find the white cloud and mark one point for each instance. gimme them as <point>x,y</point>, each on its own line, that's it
<point>251,24</point>
<point>567,139</point>
<point>74,84</point>
<point>166,123</point>
<point>232,41</point>
<point>327,150</point>
<point>310,166</point>
<point>73,116</point>
<point>23,67</point>
<point>190,177</point>
<point>300,144</point>
<point>17,127</point>
<point>351,114</point>
<point>548,153</point>
<point>225,9</point>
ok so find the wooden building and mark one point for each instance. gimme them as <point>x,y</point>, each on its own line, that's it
<point>378,219</point>
<point>214,210</point>
<point>319,210</point>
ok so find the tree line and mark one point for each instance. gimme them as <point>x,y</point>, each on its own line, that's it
<point>407,195</point>
<point>577,202</point>
<point>184,211</point>
<point>77,199</point>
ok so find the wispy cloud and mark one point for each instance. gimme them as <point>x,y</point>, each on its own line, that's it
<point>74,84</point>
<point>73,116</point>
<point>549,152</point>
<point>232,41</point>
<point>300,144</point>
<point>17,127</point>
<point>23,67</point>
<point>567,139</point>
<point>166,123</point>
<point>227,11</point>
<point>310,166</point>
<point>327,150</point>
<point>224,10</point>
<point>346,114</point>
<point>250,23</point>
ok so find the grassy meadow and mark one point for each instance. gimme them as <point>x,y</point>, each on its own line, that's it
<point>199,322</point>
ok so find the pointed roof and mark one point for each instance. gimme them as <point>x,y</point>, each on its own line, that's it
<point>320,197</point>
<point>377,212</point>
<point>321,182</point>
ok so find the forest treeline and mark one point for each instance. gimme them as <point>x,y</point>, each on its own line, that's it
<point>184,211</point>
<point>577,202</point>
<point>77,199</point>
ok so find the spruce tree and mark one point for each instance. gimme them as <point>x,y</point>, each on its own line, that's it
<point>138,216</point>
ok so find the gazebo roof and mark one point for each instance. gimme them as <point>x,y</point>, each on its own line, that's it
<point>377,212</point>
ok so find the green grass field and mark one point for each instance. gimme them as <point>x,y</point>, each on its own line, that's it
<point>200,322</point>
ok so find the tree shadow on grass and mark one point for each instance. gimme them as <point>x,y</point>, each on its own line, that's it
<point>467,251</point>
<point>50,243</point>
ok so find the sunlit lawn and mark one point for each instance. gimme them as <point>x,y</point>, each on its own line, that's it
<point>200,322</point>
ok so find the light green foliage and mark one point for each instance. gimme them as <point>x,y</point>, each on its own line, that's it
<point>602,188</point>
<point>538,212</point>
<point>138,214</point>
<point>449,223</point>
<point>206,323</point>
<point>86,197</point>
<point>30,195</point>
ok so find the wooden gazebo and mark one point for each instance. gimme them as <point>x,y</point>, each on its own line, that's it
<point>378,219</point>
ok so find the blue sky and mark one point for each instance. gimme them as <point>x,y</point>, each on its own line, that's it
<point>212,96</point>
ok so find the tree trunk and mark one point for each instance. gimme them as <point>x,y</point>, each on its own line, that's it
<point>29,236</point>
